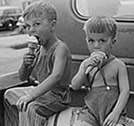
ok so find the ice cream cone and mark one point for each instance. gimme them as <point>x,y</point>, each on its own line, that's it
<point>101,55</point>
<point>32,44</point>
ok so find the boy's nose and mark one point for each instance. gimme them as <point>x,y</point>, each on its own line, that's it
<point>31,29</point>
<point>96,44</point>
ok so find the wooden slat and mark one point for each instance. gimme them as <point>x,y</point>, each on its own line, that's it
<point>10,80</point>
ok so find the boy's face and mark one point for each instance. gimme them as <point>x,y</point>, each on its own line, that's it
<point>41,28</point>
<point>99,42</point>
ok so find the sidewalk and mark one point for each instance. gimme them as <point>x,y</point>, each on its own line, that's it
<point>14,41</point>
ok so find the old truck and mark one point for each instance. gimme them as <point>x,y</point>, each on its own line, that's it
<point>71,16</point>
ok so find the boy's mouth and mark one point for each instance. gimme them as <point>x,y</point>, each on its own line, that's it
<point>39,39</point>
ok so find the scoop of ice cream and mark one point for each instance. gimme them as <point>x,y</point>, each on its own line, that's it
<point>32,44</point>
<point>100,57</point>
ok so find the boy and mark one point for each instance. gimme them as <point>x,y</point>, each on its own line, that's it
<point>106,76</point>
<point>52,69</point>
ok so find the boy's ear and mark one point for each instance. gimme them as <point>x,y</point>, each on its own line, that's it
<point>114,41</point>
<point>53,24</point>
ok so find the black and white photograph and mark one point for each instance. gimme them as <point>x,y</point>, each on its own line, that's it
<point>66,62</point>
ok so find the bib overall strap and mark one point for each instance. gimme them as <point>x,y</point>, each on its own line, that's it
<point>102,71</point>
<point>91,82</point>
<point>104,79</point>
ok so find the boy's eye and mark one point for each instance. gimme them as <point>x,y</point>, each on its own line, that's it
<point>90,40</point>
<point>102,40</point>
<point>36,24</point>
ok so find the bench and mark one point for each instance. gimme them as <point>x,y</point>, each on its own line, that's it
<point>12,80</point>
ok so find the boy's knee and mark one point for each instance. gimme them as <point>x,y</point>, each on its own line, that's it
<point>10,96</point>
<point>7,93</point>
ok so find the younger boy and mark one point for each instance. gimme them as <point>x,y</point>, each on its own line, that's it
<point>50,65</point>
<point>105,74</point>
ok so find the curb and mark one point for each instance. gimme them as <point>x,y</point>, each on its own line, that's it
<point>19,46</point>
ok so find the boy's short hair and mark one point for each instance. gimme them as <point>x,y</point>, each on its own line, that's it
<point>40,9</point>
<point>101,25</point>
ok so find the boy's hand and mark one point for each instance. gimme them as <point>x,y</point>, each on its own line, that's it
<point>111,120</point>
<point>88,64</point>
<point>96,59</point>
<point>28,59</point>
<point>22,103</point>
<point>91,61</point>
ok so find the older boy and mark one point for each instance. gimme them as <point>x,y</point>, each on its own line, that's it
<point>104,74</point>
<point>52,68</point>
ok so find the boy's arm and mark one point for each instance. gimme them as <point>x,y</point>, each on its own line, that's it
<point>80,77</point>
<point>113,117</point>
<point>24,72</point>
<point>124,89</point>
<point>26,67</point>
<point>87,66</point>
